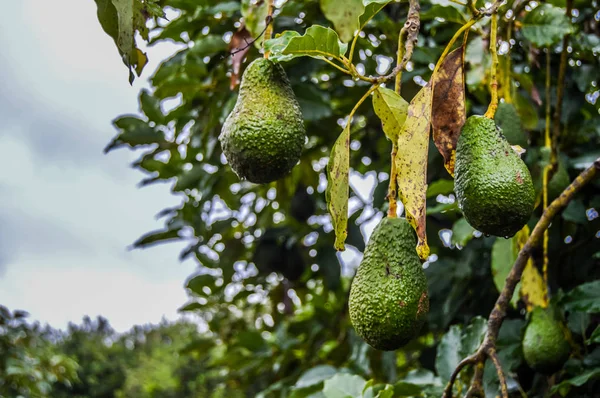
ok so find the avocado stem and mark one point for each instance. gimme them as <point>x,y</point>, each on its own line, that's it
<point>491,111</point>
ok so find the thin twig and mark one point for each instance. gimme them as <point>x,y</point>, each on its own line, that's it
<point>547,168</point>
<point>470,360</point>
<point>268,21</point>
<point>491,352</point>
<point>268,26</point>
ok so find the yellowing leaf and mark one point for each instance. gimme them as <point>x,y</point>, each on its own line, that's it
<point>121,19</point>
<point>533,290</point>
<point>391,108</point>
<point>448,107</point>
<point>411,162</point>
<point>337,186</point>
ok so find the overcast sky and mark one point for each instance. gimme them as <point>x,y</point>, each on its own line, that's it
<point>67,211</point>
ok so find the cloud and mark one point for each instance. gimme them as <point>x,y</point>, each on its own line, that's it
<point>67,211</point>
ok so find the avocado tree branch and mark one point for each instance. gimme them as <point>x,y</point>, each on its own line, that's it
<point>487,349</point>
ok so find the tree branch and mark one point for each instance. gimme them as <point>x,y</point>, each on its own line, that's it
<point>488,347</point>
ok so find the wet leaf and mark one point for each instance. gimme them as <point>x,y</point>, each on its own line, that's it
<point>448,113</point>
<point>504,255</point>
<point>546,25</point>
<point>344,15</point>
<point>372,7</point>
<point>239,46</point>
<point>391,108</point>
<point>584,297</point>
<point>411,162</point>
<point>317,42</point>
<point>338,186</point>
<point>344,386</point>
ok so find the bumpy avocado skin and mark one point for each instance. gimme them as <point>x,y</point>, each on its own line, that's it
<point>492,184</point>
<point>509,121</point>
<point>545,346</point>
<point>262,138</point>
<point>388,297</point>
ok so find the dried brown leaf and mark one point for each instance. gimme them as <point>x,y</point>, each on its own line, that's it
<point>239,46</point>
<point>448,106</point>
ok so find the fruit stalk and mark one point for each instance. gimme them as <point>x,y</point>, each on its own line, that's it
<point>488,346</point>
<point>491,111</point>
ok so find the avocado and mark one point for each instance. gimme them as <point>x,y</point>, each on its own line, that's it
<point>278,250</point>
<point>492,184</point>
<point>508,120</point>
<point>388,297</point>
<point>545,345</point>
<point>302,205</point>
<point>263,136</point>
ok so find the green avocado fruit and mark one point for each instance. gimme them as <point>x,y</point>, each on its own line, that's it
<point>263,136</point>
<point>278,250</point>
<point>388,297</point>
<point>492,184</point>
<point>508,120</point>
<point>545,345</point>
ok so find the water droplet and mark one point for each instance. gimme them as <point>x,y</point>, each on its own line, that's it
<point>486,235</point>
<point>507,237</point>
<point>591,214</point>
<point>568,239</point>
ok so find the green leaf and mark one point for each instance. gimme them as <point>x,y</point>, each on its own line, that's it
<point>135,132</point>
<point>254,14</point>
<point>448,353</point>
<point>317,42</point>
<point>154,237</point>
<point>338,169</point>
<point>208,45</point>
<point>584,298</point>
<point>404,389</point>
<point>344,15</point>
<point>151,107</point>
<point>121,19</point>
<point>372,7</point>
<point>315,376</point>
<point>565,386</point>
<point>440,187</point>
<point>595,337</point>
<point>196,283</point>
<point>392,109</point>
<point>448,13</point>
<point>462,232</point>
<point>473,336</point>
<point>504,255</point>
<point>344,386</point>
<point>546,25</point>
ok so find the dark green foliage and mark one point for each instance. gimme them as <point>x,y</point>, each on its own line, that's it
<point>508,120</point>
<point>545,345</point>
<point>263,136</point>
<point>388,298</point>
<point>492,184</point>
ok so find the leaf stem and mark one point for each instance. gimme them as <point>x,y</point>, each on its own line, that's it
<point>491,111</point>
<point>547,168</point>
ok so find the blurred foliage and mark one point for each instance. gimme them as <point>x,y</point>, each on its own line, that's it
<point>275,333</point>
